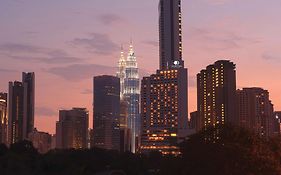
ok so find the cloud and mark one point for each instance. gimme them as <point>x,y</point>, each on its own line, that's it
<point>48,60</point>
<point>108,19</point>
<point>151,43</point>
<point>7,70</point>
<point>26,52</point>
<point>220,40</point>
<point>45,112</point>
<point>79,72</point>
<point>21,48</point>
<point>97,43</point>
<point>271,56</point>
<point>218,2</point>
<point>87,91</point>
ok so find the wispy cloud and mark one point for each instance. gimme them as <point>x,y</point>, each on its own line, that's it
<point>151,43</point>
<point>26,52</point>
<point>45,112</point>
<point>109,19</point>
<point>218,2</point>
<point>87,91</point>
<point>7,70</point>
<point>221,40</point>
<point>97,43</point>
<point>79,72</point>
<point>272,56</point>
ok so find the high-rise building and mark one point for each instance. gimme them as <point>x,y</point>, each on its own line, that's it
<point>195,121</point>
<point>277,115</point>
<point>28,80</point>
<point>170,33</point>
<point>3,118</point>
<point>216,88</point>
<point>106,123</point>
<point>130,92</point>
<point>163,110</point>
<point>132,96</point>
<point>16,110</point>
<point>164,94</point>
<point>255,111</point>
<point>122,73</point>
<point>21,108</point>
<point>72,129</point>
<point>42,141</point>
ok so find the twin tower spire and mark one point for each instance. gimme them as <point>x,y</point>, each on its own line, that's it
<point>130,94</point>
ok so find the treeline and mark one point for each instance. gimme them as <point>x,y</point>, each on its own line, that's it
<point>217,151</point>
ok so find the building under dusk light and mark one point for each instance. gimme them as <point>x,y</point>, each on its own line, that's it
<point>164,94</point>
<point>42,141</point>
<point>72,129</point>
<point>106,123</point>
<point>216,88</point>
<point>255,111</point>
<point>130,93</point>
<point>3,117</point>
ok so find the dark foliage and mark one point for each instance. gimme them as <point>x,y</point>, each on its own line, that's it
<point>217,151</point>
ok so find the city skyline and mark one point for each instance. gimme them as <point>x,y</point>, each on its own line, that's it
<point>47,57</point>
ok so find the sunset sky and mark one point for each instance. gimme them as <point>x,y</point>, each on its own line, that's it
<point>67,42</point>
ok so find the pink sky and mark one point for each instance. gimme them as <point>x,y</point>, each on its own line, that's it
<point>67,42</point>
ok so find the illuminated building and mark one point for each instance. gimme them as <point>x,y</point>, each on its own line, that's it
<point>276,130</point>
<point>42,141</point>
<point>3,118</point>
<point>170,33</point>
<point>164,94</point>
<point>163,110</point>
<point>72,129</point>
<point>216,88</point>
<point>255,111</point>
<point>106,112</point>
<point>132,96</point>
<point>21,108</point>
<point>122,72</point>
<point>130,92</point>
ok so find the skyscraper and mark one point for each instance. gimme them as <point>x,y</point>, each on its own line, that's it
<point>122,73</point>
<point>28,80</point>
<point>21,107</point>
<point>130,92</point>
<point>72,129</point>
<point>164,94</point>
<point>16,109</point>
<point>170,33</point>
<point>255,111</point>
<point>3,118</point>
<point>216,88</point>
<point>106,112</point>
<point>163,110</point>
<point>132,96</point>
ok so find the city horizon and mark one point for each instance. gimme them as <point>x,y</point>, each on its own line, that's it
<point>64,77</point>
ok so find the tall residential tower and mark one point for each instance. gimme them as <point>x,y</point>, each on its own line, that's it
<point>216,88</point>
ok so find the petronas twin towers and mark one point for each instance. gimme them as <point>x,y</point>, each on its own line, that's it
<point>130,93</point>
